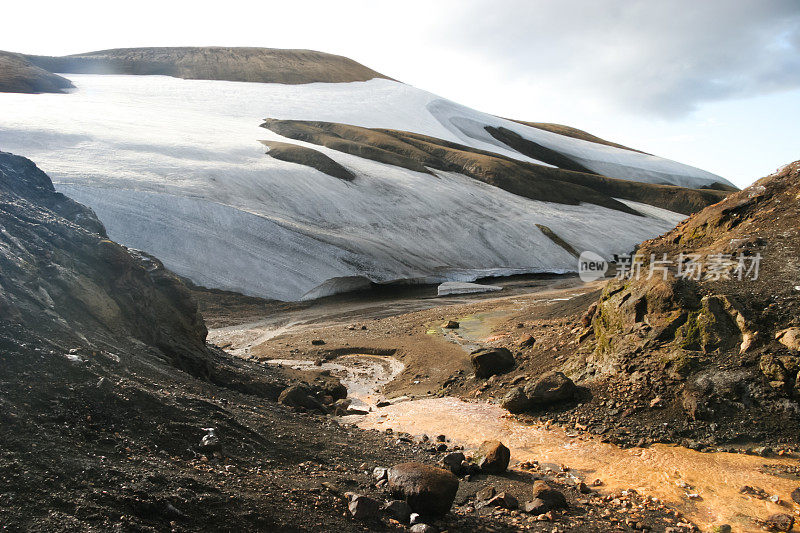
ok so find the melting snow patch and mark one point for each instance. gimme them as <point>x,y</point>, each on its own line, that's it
<point>456,287</point>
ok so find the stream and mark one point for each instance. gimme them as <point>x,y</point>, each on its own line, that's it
<point>705,487</point>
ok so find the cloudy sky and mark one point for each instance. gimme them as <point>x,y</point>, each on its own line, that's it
<point>712,83</point>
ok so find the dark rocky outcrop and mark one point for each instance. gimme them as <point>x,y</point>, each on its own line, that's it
<point>575,133</point>
<point>779,522</point>
<point>64,278</point>
<point>309,157</point>
<point>18,75</point>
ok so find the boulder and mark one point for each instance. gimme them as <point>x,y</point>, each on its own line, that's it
<point>300,396</point>
<point>363,507</point>
<point>516,401</point>
<point>427,489</point>
<point>779,522</point>
<point>490,361</point>
<point>796,495</point>
<point>452,461</point>
<point>550,388</point>
<point>493,456</point>
<point>422,528</point>
<point>790,338</point>
<point>552,498</point>
<point>451,324</point>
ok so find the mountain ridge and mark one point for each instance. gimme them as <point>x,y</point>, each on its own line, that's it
<point>247,64</point>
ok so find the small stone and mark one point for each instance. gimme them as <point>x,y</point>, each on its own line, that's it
<point>722,528</point>
<point>210,441</point>
<point>317,342</point>
<point>656,402</point>
<point>485,494</point>
<point>493,456</point>
<point>363,507</point>
<point>796,495</point>
<point>550,388</point>
<point>504,500</point>
<point>790,338</point>
<point>763,451</point>
<point>779,522</point>
<point>451,324</point>
<point>535,507</point>
<point>300,396</point>
<point>452,461</point>
<point>422,528</point>
<point>399,509</point>
<point>379,473</point>
<point>552,497</point>
<point>527,342</point>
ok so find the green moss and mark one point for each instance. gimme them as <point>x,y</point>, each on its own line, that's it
<point>691,333</point>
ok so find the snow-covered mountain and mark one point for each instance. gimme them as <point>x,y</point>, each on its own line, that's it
<point>176,167</point>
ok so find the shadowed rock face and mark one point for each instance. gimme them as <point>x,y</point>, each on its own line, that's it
<point>63,278</point>
<point>18,75</point>
<point>263,65</point>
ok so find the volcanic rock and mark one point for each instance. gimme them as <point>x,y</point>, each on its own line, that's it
<point>490,361</point>
<point>427,489</point>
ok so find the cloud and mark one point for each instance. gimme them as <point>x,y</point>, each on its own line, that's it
<point>657,58</point>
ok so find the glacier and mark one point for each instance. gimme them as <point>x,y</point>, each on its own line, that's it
<point>175,167</point>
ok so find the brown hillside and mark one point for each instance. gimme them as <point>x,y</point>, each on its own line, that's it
<point>420,153</point>
<point>264,65</point>
<point>18,75</point>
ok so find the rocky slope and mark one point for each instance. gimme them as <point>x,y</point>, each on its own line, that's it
<point>107,391</point>
<point>18,75</point>
<point>722,345</point>
<point>262,65</point>
<point>705,351</point>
